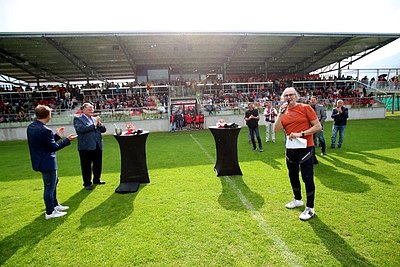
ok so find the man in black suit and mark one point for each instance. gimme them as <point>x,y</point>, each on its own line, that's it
<point>90,145</point>
<point>42,147</point>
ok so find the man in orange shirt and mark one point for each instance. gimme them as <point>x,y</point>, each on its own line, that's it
<point>299,121</point>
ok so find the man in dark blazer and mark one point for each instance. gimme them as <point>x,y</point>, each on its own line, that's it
<point>42,147</point>
<point>90,145</point>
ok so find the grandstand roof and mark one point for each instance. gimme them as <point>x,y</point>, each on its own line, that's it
<point>63,57</point>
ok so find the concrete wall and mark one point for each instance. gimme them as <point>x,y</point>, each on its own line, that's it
<point>19,133</point>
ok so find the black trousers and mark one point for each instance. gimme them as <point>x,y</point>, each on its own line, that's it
<point>301,160</point>
<point>91,160</point>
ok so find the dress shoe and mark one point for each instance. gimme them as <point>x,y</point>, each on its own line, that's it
<point>99,182</point>
<point>88,187</point>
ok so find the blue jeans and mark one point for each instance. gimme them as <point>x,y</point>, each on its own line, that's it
<point>320,137</point>
<point>256,132</point>
<point>50,180</point>
<point>335,130</point>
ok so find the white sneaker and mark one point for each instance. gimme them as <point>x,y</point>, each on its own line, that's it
<point>307,214</point>
<point>294,204</point>
<point>60,207</point>
<point>55,214</point>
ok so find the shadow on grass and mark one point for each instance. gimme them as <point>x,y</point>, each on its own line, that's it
<point>30,235</point>
<point>270,160</point>
<point>342,165</point>
<point>233,189</point>
<point>337,246</point>
<point>368,155</point>
<point>113,210</point>
<point>332,178</point>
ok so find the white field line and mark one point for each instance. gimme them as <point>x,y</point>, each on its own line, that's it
<point>289,256</point>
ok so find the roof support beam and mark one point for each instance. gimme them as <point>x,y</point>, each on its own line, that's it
<point>283,51</point>
<point>336,66</point>
<point>235,51</point>
<point>77,62</point>
<point>319,56</point>
<point>29,67</point>
<point>127,53</point>
<point>367,53</point>
<point>6,79</point>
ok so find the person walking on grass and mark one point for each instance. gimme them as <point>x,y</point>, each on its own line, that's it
<point>42,147</point>
<point>299,121</point>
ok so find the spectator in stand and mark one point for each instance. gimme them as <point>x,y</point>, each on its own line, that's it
<point>299,121</point>
<point>340,114</point>
<point>252,117</point>
<point>320,110</point>
<point>372,81</point>
<point>270,114</point>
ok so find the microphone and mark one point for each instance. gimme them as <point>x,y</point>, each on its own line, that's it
<point>283,109</point>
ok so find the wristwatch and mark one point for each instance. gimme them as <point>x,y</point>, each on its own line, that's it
<point>302,133</point>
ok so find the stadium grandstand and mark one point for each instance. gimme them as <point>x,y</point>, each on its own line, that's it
<point>148,77</point>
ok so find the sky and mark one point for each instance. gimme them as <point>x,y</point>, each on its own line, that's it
<point>339,16</point>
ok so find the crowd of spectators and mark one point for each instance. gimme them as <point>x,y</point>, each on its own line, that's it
<point>16,102</point>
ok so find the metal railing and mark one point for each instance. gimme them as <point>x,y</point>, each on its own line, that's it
<point>203,93</point>
<point>236,108</point>
<point>65,117</point>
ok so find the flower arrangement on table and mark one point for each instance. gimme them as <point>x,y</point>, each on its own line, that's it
<point>221,123</point>
<point>130,128</point>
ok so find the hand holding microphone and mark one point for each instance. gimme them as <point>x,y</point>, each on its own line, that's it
<point>284,106</point>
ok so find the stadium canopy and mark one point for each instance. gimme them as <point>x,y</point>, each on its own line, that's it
<point>69,57</point>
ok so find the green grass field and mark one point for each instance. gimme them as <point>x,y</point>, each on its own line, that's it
<point>187,216</point>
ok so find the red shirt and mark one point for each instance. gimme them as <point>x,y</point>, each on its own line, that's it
<point>298,119</point>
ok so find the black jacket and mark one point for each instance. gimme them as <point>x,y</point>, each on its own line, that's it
<point>340,119</point>
<point>252,123</point>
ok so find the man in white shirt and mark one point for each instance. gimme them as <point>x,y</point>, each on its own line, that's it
<point>270,114</point>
